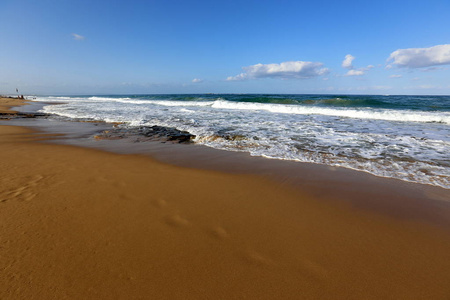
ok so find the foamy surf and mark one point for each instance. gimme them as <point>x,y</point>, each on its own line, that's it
<point>392,136</point>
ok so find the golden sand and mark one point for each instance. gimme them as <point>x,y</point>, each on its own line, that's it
<point>78,223</point>
<point>6,103</point>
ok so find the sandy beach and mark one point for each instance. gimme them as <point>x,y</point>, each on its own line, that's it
<point>80,223</point>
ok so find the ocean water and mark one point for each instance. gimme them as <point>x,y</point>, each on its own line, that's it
<point>403,137</point>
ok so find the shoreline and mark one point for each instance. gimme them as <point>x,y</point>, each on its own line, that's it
<point>85,223</point>
<point>108,140</point>
<point>368,152</point>
<point>326,182</point>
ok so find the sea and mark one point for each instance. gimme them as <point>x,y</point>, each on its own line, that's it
<point>403,137</point>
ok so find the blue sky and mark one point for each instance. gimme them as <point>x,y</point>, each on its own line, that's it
<point>101,47</point>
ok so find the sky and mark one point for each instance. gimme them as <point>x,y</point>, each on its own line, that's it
<point>63,47</point>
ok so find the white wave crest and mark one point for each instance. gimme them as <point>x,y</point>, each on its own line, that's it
<point>107,99</point>
<point>374,114</point>
<point>219,103</point>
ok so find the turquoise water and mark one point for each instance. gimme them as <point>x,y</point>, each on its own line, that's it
<point>404,137</point>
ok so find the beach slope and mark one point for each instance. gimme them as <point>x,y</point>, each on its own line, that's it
<point>78,223</point>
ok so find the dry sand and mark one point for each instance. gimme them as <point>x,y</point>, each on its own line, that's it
<point>78,223</point>
<point>6,103</point>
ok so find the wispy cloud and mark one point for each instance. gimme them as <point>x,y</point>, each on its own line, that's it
<point>348,64</point>
<point>431,69</point>
<point>365,88</point>
<point>77,37</point>
<point>197,80</point>
<point>420,57</point>
<point>396,76</point>
<point>285,70</point>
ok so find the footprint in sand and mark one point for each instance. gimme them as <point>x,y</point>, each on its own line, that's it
<point>35,180</point>
<point>160,203</point>
<point>23,192</point>
<point>121,184</point>
<point>100,179</point>
<point>219,233</point>
<point>124,197</point>
<point>176,221</point>
<point>256,258</point>
<point>314,268</point>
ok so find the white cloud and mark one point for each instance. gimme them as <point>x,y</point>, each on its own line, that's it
<point>354,73</point>
<point>396,76</point>
<point>359,72</point>
<point>288,69</point>
<point>197,80</point>
<point>420,57</point>
<point>77,37</point>
<point>241,76</point>
<point>347,63</point>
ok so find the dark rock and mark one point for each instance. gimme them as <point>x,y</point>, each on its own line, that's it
<point>170,133</point>
<point>13,115</point>
<point>148,133</point>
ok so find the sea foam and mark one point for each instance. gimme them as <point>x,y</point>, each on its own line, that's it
<point>407,142</point>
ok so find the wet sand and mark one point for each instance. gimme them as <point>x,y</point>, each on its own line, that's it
<point>80,223</point>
